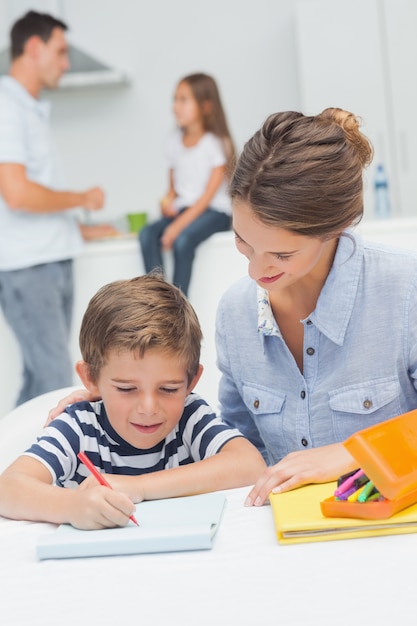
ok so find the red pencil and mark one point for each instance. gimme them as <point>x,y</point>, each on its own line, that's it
<point>84,459</point>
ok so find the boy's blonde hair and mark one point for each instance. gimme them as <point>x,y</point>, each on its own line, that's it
<point>137,315</point>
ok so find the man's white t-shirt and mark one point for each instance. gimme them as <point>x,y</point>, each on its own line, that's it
<point>29,239</point>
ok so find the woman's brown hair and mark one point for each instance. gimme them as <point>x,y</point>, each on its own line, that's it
<point>304,173</point>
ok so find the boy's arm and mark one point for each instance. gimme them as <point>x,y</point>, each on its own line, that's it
<point>238,464</point>
<point>27,493</point>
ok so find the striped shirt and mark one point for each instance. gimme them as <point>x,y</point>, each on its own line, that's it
<point>84,426</point>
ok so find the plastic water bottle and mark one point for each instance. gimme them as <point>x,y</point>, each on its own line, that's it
<point>382,201</point>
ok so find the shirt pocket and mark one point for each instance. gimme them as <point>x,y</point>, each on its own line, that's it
<point>266,407</point>
<point>358,406</point>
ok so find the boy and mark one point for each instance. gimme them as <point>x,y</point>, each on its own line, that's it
<point>140,342</point>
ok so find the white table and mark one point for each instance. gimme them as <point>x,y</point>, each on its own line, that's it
<point>247,579</point>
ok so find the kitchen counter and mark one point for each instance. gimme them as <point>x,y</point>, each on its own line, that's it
<point>216,266</point>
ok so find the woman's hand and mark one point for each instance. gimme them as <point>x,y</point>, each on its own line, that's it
<point>318,465</point>
<point>79,395</point>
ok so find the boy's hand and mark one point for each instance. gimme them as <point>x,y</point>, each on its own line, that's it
<point>100,507</point>
<point>318,465</point>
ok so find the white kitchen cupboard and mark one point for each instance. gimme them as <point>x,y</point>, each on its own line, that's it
<point>361,55</point>
<point>401,26</point>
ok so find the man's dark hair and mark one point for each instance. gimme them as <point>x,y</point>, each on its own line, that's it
<point>33,23</point>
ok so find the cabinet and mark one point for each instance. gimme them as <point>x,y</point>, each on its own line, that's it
<point>361,56</point>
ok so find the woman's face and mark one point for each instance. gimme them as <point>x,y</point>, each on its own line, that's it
<point>277,257</point>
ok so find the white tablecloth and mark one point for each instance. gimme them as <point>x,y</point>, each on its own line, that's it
<point>247,578</point>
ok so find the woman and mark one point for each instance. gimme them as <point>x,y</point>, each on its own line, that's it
<point>321,340</point>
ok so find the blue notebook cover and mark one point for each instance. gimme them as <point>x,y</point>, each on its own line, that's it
<point>170,525</point>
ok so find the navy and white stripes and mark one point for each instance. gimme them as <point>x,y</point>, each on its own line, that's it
<point>84,426</point>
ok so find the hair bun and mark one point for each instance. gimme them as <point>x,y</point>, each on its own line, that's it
<point>350,124</point>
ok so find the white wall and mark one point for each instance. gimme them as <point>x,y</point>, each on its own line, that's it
<point>361,56</point>
<point>115,136</point>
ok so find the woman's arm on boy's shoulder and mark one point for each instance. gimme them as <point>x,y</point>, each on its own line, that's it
<point>237,464</point>
<point>79,395</point>
<point>27,493</point>
<point>182,221</point>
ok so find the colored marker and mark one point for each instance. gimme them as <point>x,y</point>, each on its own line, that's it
<point>347,484</point>
<point>354,496</point>
<point>84,459</point>
<point>361,481</point>
<point>346,494</point>
<point>366,492</point>
<point>375,497</point>
<point>342,478</point>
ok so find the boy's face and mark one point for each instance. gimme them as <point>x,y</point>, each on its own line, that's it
<point>144,398</point>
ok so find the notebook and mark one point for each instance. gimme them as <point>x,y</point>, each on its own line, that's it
<point>298,518</point>
<point>174,524</point>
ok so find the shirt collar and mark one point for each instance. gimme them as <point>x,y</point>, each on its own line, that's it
<point>334,306</point>
<point>17,91</point>
<point>266,320</point>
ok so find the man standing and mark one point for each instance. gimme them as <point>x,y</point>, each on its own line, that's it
<point>39,234</point>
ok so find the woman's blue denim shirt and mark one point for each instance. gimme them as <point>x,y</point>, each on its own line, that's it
<point>360,354</point>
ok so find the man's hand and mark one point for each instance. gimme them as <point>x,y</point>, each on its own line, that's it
<point>93,199</point>
<point>98,231</point>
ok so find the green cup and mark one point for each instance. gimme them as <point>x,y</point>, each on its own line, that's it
<point>136,221</point>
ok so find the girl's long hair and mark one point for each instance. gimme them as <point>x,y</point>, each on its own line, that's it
<point>206,93</point>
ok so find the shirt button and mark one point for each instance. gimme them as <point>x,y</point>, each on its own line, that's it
<point>367,404</point>
<point>309,322</point>
<point>303,394</point>
<point>304,442</point>
<point>256,404</point>
<point>310,351</point>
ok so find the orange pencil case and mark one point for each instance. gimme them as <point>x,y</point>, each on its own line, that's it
<point>387,453</point>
